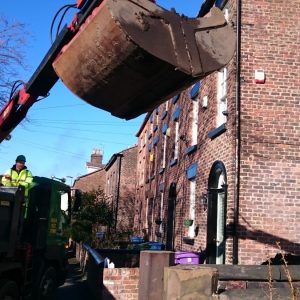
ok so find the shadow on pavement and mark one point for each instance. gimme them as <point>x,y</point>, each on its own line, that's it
<point>75,287</point>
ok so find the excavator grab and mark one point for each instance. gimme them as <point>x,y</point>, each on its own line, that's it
<point>131,55</point>
<point>126,57</point>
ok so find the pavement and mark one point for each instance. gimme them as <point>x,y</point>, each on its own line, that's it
<point>75,287</point>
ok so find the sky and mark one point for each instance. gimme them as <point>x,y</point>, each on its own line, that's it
<point>61,131</point>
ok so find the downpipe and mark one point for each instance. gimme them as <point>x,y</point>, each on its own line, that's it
<point>235,248</point>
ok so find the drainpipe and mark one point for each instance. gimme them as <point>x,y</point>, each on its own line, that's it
<point>118,192</point>
<point>235,248</point>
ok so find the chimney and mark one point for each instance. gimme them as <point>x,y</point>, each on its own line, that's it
<point>96,161</point>
<point>96,157</point>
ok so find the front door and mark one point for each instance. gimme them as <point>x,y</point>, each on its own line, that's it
<point>216,214</point>
<point>170,218</point>
<point>216,226</point>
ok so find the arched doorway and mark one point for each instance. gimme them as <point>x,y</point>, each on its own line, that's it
<point>171,217</point>
<point>216,214</point>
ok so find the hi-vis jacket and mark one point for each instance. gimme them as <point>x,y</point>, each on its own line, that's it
<point>24,177</point>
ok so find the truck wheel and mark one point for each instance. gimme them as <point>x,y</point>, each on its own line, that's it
<point>47,285</point>
<point>8,290</point>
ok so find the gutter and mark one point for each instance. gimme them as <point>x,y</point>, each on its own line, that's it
<point>235,246</point>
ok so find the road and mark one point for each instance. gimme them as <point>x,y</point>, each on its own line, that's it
<point>75,287</point>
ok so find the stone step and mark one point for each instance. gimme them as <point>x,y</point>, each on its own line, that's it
<point>259,294</point>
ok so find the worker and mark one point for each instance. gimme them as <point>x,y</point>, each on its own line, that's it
<point>18,174</point>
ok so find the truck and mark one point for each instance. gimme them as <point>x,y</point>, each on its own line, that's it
<point>33,252</point>
<point>126,57</point>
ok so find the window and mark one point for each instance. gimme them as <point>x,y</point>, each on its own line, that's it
<point>194,133</point>
<point>141,173</point>
<point>152,163</point>
<point>192,214</point>
<point>164,114</point>
<point>164,128</point>
<point>107,186</point>
<point>191,171</point>
<point>176,141</point>
<point>219,3</point>
<point>151,119</point>
<point>195,90</point>
<point>161,210</point>
<point>175,98</point>
<point>163,152</point>
<point>145,138</point>
<point>222,97</point>
<point>176,114</point>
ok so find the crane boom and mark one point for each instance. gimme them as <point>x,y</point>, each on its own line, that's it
<point>126,57</point>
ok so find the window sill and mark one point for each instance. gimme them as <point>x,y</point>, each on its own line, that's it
<point>164,114</point>
<point>173,162</point>
<point>191,149</point>
<point>217,131</point>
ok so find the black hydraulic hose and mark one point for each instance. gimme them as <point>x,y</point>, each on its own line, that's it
<point>235,246</point>
<point>62,18</point>
<point>67,6</point>
<point>14,88</point>
<point>205,8</point>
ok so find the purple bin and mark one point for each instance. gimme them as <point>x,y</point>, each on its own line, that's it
<point>187,258</point>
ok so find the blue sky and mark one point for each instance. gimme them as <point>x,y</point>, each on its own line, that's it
<point>61,131</point>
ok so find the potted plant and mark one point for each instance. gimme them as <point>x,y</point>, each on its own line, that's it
<point>188,222</point>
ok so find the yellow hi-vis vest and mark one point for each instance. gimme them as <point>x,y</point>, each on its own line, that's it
<point>23,178</point>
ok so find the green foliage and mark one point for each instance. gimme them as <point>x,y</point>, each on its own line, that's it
<point>95,211</point>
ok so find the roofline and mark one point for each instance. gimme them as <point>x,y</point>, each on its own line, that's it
<point>90,173</point>
<point>143,124</point>
<point>112,160</point>
<point>116,155</point>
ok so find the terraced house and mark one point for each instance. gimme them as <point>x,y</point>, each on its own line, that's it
<point>219,165</point>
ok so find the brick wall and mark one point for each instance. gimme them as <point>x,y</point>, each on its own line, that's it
<point>270,124</point>
<point>127,189</point>
<point>91,181</point>
<point>141,170</point>
<point>121,283</point>
<point>121,185</point>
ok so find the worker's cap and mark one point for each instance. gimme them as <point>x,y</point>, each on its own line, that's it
<point>21,158</point>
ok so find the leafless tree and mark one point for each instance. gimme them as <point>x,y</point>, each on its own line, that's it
<point>12,42</point>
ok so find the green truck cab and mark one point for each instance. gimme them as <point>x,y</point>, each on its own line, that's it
<point>33,256</point>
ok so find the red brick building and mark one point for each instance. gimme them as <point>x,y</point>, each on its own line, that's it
<point>121,185</point>
<point>91,182</point>
<point>225,153</point>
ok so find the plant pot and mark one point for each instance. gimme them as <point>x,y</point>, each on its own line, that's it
<point>188,222</point>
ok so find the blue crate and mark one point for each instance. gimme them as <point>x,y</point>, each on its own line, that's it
<point>156,246</point>
<point>136,239</point>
